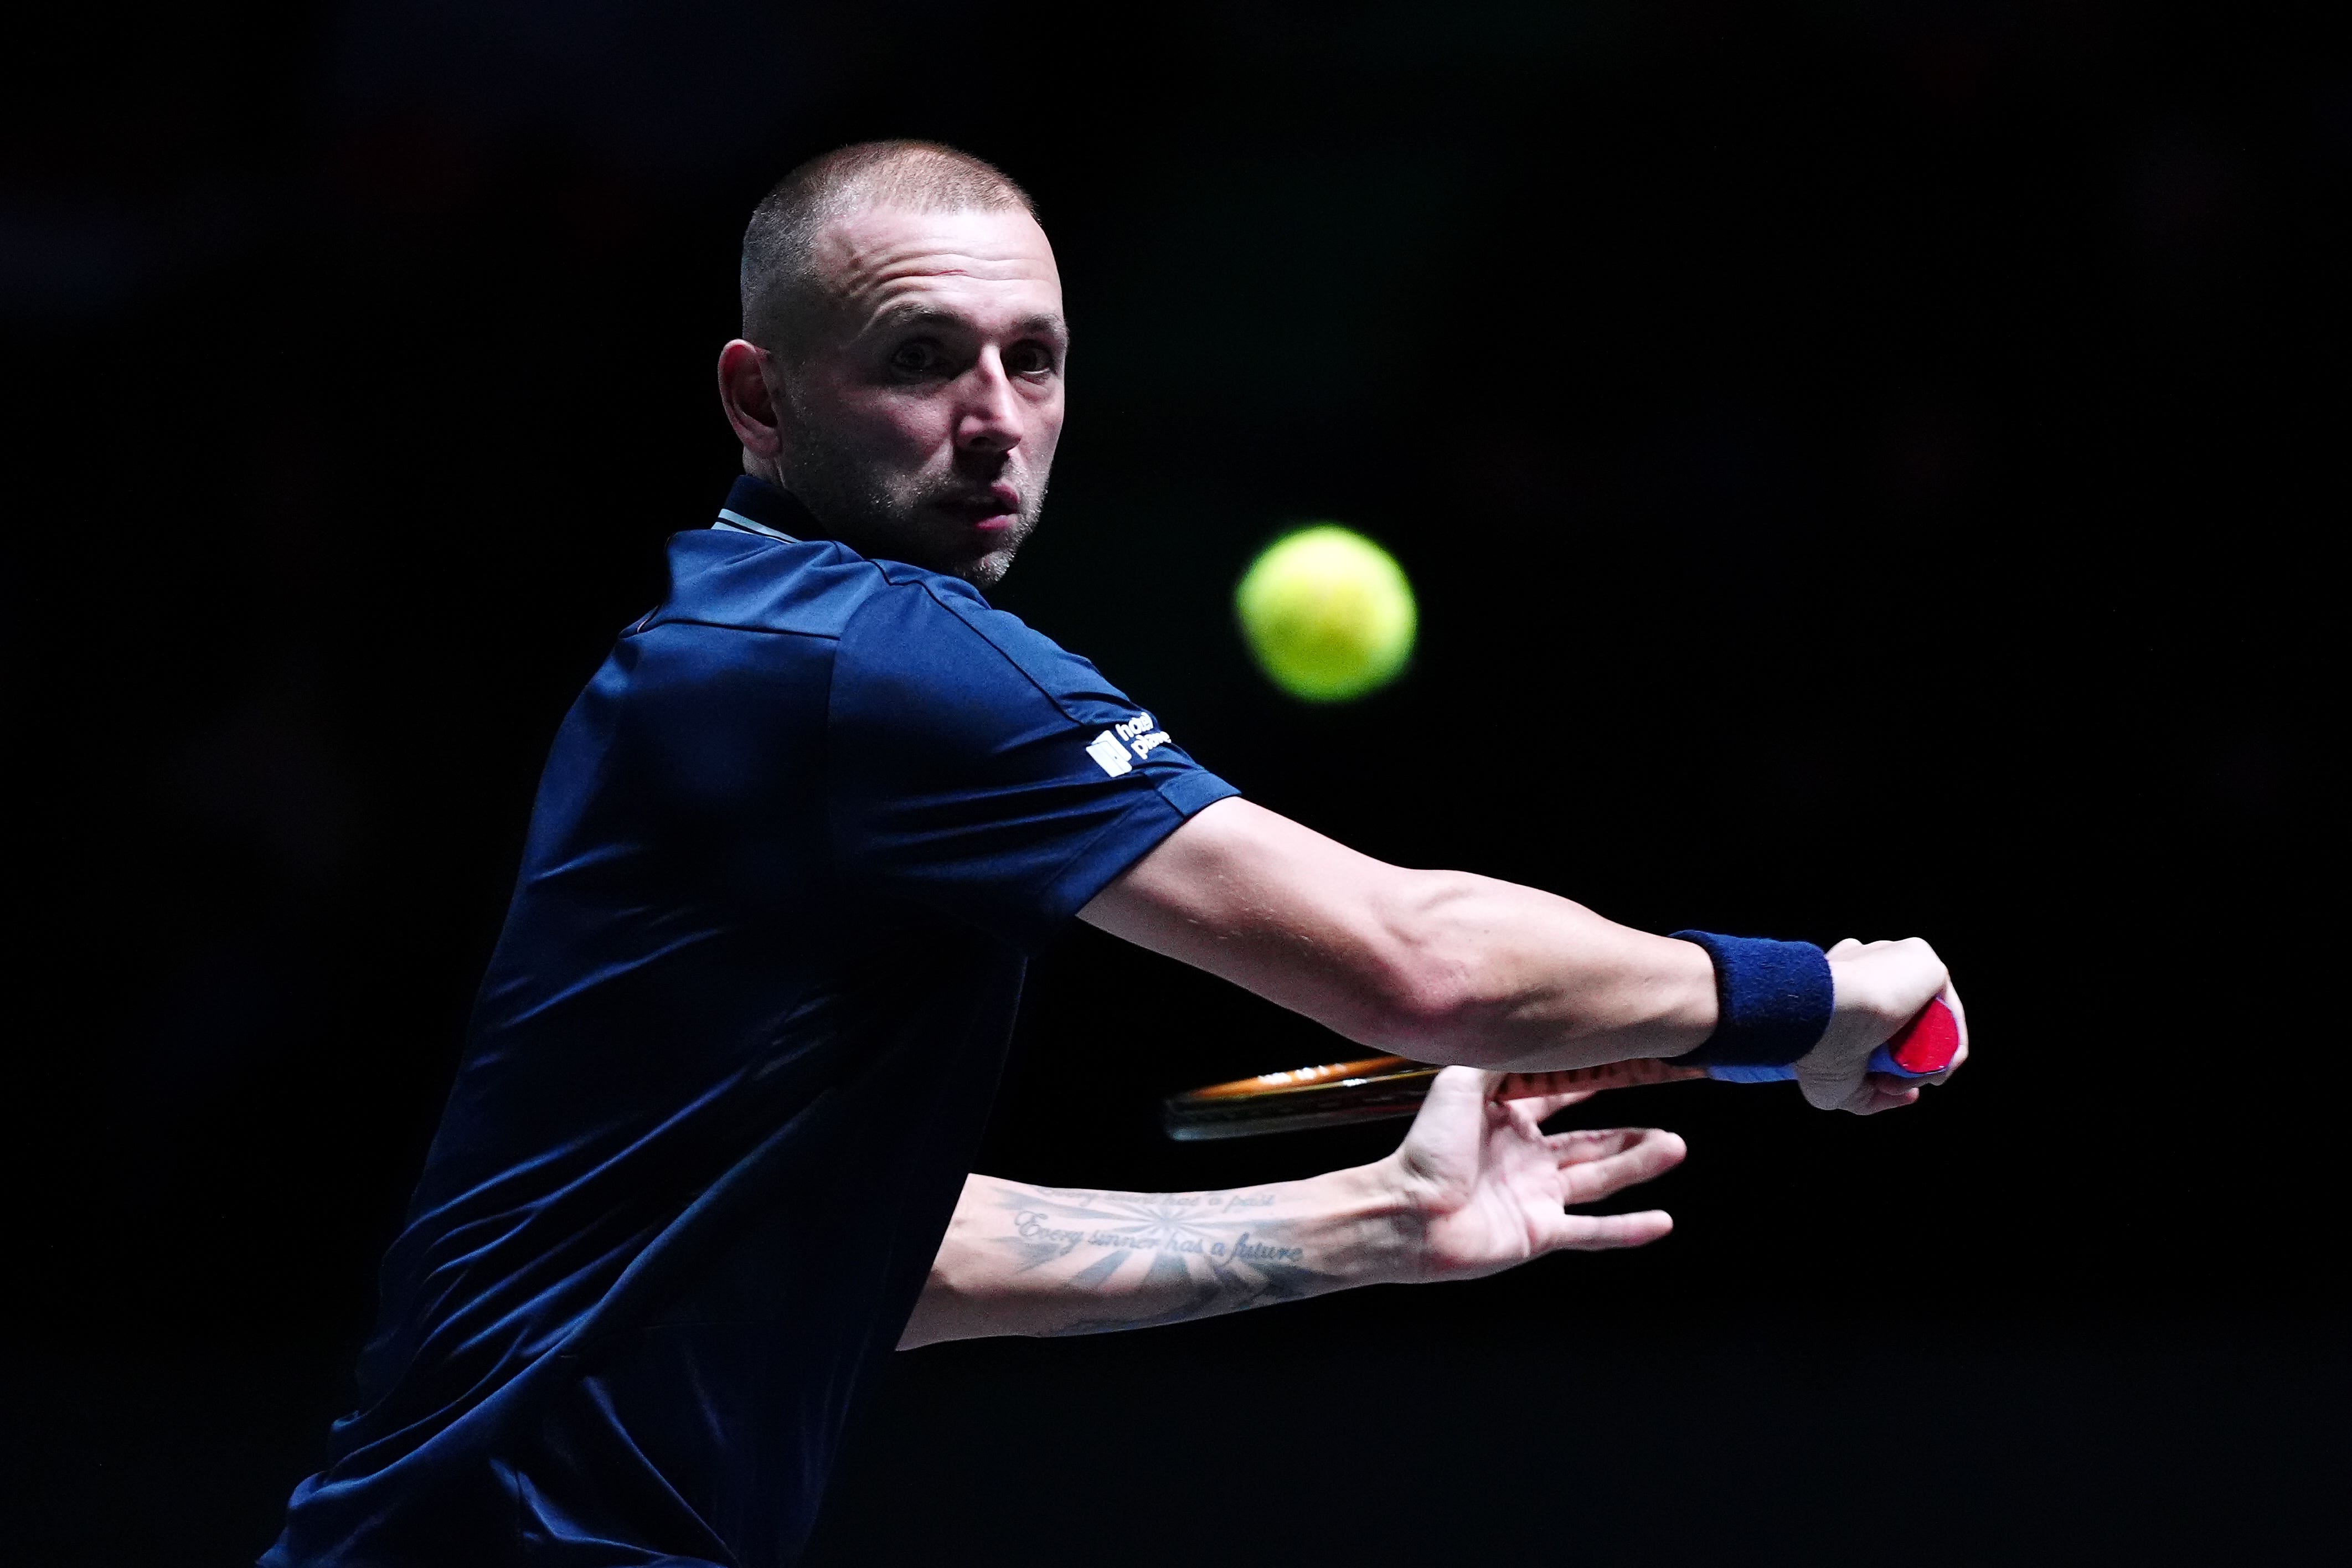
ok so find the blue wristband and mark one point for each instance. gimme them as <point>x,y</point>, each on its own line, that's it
<point>1773,1001</point>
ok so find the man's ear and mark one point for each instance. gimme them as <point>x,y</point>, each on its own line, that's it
<point>745,392</point>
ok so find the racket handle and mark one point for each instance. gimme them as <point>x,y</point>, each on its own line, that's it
<point>1920,1048</point>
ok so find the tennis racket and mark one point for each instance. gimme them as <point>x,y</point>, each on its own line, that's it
<point>1383,1089</point>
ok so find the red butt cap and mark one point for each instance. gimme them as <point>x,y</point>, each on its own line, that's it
<point>1927,1043</point>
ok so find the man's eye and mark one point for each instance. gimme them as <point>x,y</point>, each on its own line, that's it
<point>1029,359</point>
<point>915,358</point>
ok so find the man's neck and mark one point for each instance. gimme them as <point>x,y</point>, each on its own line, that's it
<point>757,505</point>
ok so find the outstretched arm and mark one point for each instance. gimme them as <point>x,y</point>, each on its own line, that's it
<point>1476,1187</point>
<point>1444,966</point>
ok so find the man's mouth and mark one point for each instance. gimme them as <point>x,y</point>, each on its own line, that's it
<point>993,512</point>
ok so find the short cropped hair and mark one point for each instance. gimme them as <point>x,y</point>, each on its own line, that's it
<point>778,280</point>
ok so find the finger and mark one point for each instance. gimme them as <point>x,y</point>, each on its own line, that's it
<point>1870,1098</point>
<point>1544,1106</point>
<point>1602,1232</point>
<point>1582,1143</point>
<point>1457,1097</point>
<point>1959,1057</point>
<point>1855,944</point>
<point>1828,1093</point>
<point>1651,1153</point>
<point>1455,1085</point>
<point>1591,1143</point>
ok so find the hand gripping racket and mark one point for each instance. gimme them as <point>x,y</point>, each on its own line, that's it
<point>1378,1088</point>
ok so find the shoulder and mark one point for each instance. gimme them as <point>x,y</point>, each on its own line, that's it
<point>895,640</point>
<point>746,582</point>
<point>936,635</point>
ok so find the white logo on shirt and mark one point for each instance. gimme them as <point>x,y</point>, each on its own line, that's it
<point>1111,748</point>
<point>1109,753</point>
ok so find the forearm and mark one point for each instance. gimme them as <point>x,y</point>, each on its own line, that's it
<point>1441,966</point>
<point>1530,981</point>
<point>1020,1259</point>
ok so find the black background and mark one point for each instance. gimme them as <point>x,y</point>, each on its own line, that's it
<point>1864,466</point>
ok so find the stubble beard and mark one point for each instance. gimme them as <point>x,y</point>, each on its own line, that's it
<point>861,505</point>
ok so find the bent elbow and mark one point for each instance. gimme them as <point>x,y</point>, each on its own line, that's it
<point>1433,999</point>
<point>1427,1017</point>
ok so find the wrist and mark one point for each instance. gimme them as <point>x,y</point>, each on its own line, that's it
<point>1379,1218</point>
<point>1774,1001</point>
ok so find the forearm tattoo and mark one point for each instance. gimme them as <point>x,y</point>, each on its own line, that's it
<point>1132,1261</point>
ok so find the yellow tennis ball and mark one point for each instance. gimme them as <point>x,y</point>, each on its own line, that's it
<point>1327,613</point>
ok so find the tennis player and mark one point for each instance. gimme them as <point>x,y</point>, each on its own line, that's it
<point>706,1160</point>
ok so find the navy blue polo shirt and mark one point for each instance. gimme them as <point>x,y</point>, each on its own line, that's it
<point>732,1060</point>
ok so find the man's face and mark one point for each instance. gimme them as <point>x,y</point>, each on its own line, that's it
<point>919,420</point>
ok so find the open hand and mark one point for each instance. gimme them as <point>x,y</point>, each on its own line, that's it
<point>1487,1188</point>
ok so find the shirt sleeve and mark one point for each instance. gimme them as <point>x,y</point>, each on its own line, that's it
<point>974,766</point>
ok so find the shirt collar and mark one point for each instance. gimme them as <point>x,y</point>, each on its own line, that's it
<point>755,506</point>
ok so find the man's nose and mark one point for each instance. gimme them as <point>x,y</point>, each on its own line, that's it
<point>988,418</point>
